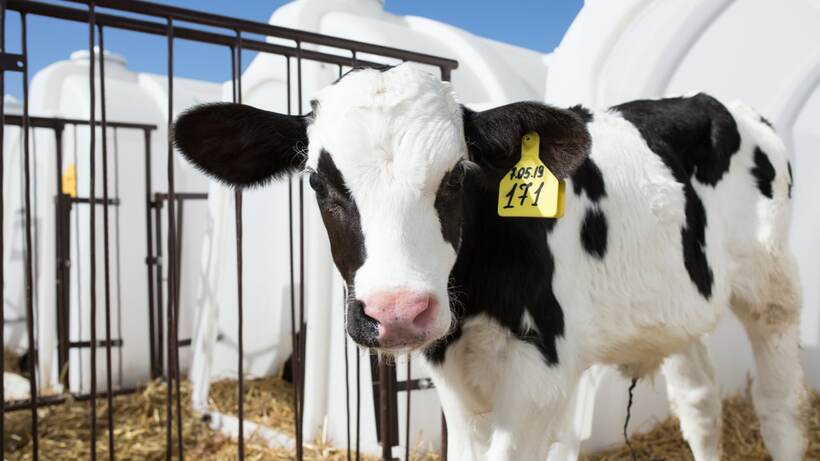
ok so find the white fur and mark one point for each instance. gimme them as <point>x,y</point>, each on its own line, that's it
<point>393,135</point>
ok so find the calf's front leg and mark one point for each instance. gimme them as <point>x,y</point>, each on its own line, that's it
<point>530,404</point>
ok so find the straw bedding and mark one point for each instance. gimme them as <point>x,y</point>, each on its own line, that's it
<point>11,361</point>
<point>139,431</point>
<point>741,436</point>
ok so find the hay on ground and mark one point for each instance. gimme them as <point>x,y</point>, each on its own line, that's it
<point>11,361</point>
<point>268,401</point>
<point>139,427</point>
<point>741,436</point>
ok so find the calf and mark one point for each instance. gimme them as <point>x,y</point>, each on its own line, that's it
<point>676,211</point>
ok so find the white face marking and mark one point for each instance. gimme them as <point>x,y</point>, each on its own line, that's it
<point>394,135</point>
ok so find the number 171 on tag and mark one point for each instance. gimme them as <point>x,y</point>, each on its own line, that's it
<point>529,189</point>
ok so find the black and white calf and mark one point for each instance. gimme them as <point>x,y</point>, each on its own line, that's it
<point>677,211</point>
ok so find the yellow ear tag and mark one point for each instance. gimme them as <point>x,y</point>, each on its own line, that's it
<point>70,181</point>
<point>529,189</point>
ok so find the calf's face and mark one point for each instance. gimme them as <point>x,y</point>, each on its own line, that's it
<point>386,154</point>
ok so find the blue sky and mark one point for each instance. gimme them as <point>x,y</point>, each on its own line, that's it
<point>531,24</point>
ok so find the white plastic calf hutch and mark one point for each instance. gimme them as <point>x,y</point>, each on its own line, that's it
<point>61,91</point>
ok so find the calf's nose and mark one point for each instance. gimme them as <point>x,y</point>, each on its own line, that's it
<point>404,317</point>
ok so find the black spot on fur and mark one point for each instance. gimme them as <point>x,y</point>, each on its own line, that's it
<point>504,267</point>
<point>695,137</point>
<point>241,145</point>
<point>588,178</point>
<point>583,112</point>
<point>449,206</point>
<point>766,122</point>
<point>594,232</point>
<point>763,171</point>
<point>341,218</point>
<point>693,238</point>
<point>791,178</point>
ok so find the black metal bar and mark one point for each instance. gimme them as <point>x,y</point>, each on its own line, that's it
<point>127,23</point>
<point>407,389</point>
<point>149,260</point>
<point>180,212</point>
<point>118,264</point>
<point>29,277</point>
<point>294,332</point>
<point>242,25</point>
<point>97,201</point>
<point>169,409</point>
<point>63,209</point>
<point>57,122</point>
<point>385,402</point>
<point>347,370</point>
<point>63,257</point>
<point>173,264</point>
<point>158,274</point>
<point>106,249</point>
<point>11,62</point>
<point>51,400</point>
<point>2,219</point>
<point>182,196</point>
<point>384,410</point>
<point>236,80</point>
<point>302,325</point>
<point>240,339</point>
<point>103,343</point>
<point>92,231</point>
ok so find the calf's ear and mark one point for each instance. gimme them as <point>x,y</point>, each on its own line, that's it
<point>241,145</point>
<point>494,136</point>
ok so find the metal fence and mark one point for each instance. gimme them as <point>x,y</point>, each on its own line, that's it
<point>235,35</point>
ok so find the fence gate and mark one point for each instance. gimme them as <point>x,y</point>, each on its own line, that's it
<point>174,24</point>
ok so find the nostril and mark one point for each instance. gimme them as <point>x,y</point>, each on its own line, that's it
<point>425,317</point>
<point>401,311</point>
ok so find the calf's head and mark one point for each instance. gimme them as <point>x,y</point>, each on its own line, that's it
<point>386,152</point>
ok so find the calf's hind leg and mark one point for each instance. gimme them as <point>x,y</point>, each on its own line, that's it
<point>695,398</point>
<point>771,317</point>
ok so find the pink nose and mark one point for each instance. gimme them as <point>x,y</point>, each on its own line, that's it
<point>404,317</point>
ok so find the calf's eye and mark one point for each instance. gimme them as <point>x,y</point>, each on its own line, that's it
<point>316,183</point>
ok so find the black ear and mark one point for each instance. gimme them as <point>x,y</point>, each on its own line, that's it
<point>494,136</point>
<point>241,145</point>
